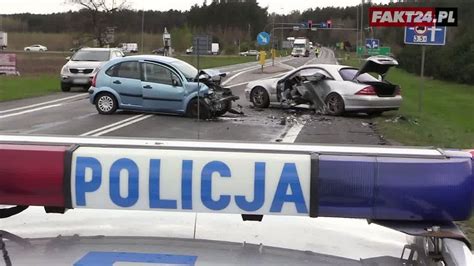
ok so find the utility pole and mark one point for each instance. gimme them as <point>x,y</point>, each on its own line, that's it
<point>357,31</point>
<point>143,29</point>
<point>362,24</point>
<point>273,39</point>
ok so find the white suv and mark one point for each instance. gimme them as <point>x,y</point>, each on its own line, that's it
<point>82,66</point>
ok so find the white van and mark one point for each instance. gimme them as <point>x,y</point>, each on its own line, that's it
<point>300,47</point>
<point>129,47</point>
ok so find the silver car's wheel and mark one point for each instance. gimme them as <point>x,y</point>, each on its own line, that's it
<point>259,97</point>
<point>106,104</point>
<point>335,104</point>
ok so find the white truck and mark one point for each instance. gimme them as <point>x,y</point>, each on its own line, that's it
<point>215,48</point>
<point>3,40</point>
<point>300,47</point>
<point>129,47</point>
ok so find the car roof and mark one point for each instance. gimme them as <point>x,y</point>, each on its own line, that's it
<point>329,67</point>
<point>98,49</point>
<point>160,58</point>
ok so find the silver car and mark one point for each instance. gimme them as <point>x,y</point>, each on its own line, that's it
<point>337,88</point>
<point>84,64</point>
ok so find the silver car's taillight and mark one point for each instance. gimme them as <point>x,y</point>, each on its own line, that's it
<point>369,90</point>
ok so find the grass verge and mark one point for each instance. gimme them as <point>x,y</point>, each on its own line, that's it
<point>446,119</point>
<point>17,87</point>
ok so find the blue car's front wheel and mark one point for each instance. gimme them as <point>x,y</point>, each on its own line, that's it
<point>194,109</point>
<point>105,103</point>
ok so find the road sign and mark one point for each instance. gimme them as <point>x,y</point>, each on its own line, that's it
<point>425,35</point>
<point>263,38</point>
<point>8,64</point>
<point>201,44</point>
<point>372,43</point>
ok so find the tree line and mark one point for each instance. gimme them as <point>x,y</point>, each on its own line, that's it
<point>235,25</point>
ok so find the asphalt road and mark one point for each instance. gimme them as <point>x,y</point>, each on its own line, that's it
<point>72,114</point>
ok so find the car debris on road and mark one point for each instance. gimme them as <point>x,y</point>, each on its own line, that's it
<point>331,89</point>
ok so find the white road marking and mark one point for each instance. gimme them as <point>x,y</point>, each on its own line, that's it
<point>42,103</point>
<point>122,125</point>
<point>293,133</point>
<point>31,110</point>
<point>250,69</point>
<point>112,125</point>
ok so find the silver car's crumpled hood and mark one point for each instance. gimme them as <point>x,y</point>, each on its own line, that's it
<point>377,64</point>
<point>214,74</point>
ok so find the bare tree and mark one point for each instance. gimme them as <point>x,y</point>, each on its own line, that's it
<point>99,10</point>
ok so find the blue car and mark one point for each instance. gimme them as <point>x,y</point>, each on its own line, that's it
<point>153,83</point>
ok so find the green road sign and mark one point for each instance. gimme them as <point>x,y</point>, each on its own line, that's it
<point>377,51</point>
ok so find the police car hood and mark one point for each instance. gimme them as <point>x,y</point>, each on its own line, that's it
<point>276,240</point>
<point>377,64</point>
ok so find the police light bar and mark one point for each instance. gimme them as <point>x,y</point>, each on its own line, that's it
<point>371,182</point>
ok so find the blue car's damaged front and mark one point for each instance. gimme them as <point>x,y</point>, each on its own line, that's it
<point>159,84</point>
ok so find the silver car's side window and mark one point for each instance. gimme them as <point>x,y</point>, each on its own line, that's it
<point>158,74</point>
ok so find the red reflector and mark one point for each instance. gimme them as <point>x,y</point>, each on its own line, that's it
<point>367,91</point>
<point>32,175</point>
<point>399,91</point>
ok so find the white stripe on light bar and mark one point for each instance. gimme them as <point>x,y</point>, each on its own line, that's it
<point>275,147</point>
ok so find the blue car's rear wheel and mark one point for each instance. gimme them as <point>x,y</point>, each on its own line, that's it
<point>105,103</point>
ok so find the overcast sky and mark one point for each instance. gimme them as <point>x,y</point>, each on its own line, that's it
<point>278,6</point>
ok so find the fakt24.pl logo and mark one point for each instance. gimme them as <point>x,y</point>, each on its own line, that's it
<point>413,16</point>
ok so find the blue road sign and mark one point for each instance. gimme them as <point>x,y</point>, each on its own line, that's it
<point>425,35</point>
<point>372,43</point>
<point>263,38</point>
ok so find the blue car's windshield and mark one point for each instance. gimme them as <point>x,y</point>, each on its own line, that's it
<point>188,70</point>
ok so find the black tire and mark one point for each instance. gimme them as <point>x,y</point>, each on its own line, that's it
<point>259,97</point>
<point>105,103</point>
<point>335,104</point>
<point>227,107</point>
<point>65,87</point>
<point>27,50</point>
<point>192,109</point>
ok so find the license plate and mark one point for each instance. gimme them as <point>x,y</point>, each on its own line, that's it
<point>81,81</point>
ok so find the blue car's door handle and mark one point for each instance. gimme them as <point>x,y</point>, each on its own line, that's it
<point>117,82</point>
<point>147,87</point>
